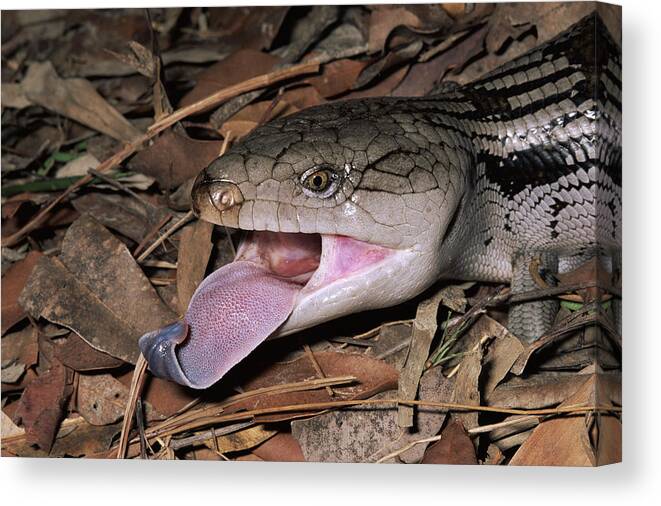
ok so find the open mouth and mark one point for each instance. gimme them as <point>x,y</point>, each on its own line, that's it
<point>241,304</point>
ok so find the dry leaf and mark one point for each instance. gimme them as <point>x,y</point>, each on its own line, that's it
<point>282,447</point>
<point>372,375</point>
<point>337,77</point>
<point>424,329</point>
<point>97,290</point>
<point>77,99</point>
<point>76,354</point>
<point>101,399</point>
<point>41,407</point>
<point>566,441</point>
<point>455,447</point>
<point>194,250</point>
<point>241,440</point>
<point>173,158</point>
<point>504,349</point>
<point>13,282</point>
<point>239,66</point>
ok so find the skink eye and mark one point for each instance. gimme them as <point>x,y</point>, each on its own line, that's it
<point>320,181</point>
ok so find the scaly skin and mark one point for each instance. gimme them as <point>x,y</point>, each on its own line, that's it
<point>526,160</point>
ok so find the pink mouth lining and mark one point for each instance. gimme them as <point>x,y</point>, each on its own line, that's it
<point>241,304</point>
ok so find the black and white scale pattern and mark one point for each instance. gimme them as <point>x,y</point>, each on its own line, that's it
<point>526,159</point>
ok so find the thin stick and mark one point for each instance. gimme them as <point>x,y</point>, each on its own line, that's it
<point>185,218</point>
<point>488,428</point>
<point>317,368</point>
<point>137,382</point>
<point>212,100</point>
<point>151,234</point>
<point>116,184</point>
<point>177,444</point>
<point>408,447</point>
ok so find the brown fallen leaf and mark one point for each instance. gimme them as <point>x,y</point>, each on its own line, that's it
<point>13,282</point>
<point>194,251</point>
<point>423,76</point>
<point>455,447</point>
<point>337,77</point>
<point>503,351</point>
<point>166,397</point>
<point>380,88</point>
<point>19,352</point>
<point>97,290</point>
<point>237,67</point>
<point>100,398</point>
<point>174,157</point>
<point>41,407</point>
<point>424,329</point>
<point>536,391</point>
<point>76,99</point>
<point>466,389</point>
<point>384,19</point>
<point>247,27</point>
<point>566,440</point>
<point>75,438</point>
<point>391,60</point>
<point>131,218</point>
<point>290,101</point>
<point>76,354</point>
<point>282,447</point>
<point>372,375</point>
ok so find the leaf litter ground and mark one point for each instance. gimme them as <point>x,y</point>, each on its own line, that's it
<point>107,118</point>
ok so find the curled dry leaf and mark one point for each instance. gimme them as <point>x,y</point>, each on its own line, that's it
<point>97,290</point>
<point>536,391</point>
<point>420,18</point>
<point>289,102</point>
<point>247,27</point>
<point>504,349</point>
<point>241,440</point>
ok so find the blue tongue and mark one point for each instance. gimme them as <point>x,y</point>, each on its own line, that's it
<point>231,313</point>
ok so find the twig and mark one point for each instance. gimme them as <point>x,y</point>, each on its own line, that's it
<point>177,444</point>
<point>151,234</point>
<point>317,368</point>
<point>488,428</point>
<point>119,186</point>
<point>137,383</point>
<point>408,447</point>
<point>186,217</point>
<point>258,82</point>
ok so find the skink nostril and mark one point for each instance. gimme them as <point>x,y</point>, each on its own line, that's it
<point>224,195</point>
